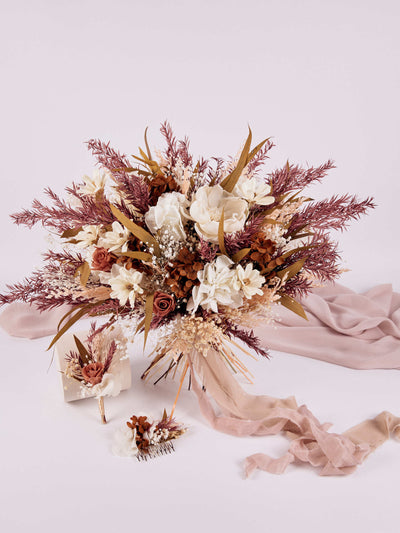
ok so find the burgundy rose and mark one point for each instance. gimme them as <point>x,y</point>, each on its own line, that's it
<point>103,260</point>
<point>163,304</point>
<point>93,373</point>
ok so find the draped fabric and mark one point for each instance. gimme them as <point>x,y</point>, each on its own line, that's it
<point>244,414</point>
<point>359,331</point>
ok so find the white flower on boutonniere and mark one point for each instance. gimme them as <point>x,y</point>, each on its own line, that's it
<point>124,444</point>
<point>254,190</point>
<point>168,214</point>
<point>218,285</point>
<point>250,280</point>
<point>125,284</point>
<point>96,183</point>
<point>115,240</point>
<point>87,236</point>
<point>207,207</point>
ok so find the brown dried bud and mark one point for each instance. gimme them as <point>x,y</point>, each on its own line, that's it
<point>163,304</point>
<point>93,373</point>
<point>103,260</point>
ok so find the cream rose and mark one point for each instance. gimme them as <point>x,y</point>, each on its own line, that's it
<point>253,190</point>
<point>168,215</point>
<point>206,210</point>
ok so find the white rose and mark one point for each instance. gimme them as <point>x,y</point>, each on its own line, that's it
<point>206,211</point>
<point>218,285</point>
<point>168,215</point>
<point>253,190</point>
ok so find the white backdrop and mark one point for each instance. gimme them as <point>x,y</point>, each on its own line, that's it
<point>323,79</point>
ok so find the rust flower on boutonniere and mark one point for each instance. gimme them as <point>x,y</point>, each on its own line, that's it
<point>163,304</point>
<point>103,260</point>
<point>93,373</point>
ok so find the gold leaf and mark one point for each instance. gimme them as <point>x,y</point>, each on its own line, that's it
<point>148,309</point>
<point>84,272</point>
<point>293,305</point>
<point>255,150</point>
<point>221,239</point>
<point>238,256</point>
<point>136,230</point>
<point>147,144</point>
<point>291,270</point>
<point>230,181</point>
<point>142,256</point>
<point>82,312</point>
<point>82,351</point>
<point>71,232</point>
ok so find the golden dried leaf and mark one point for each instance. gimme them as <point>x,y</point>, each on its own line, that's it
<point>221,237</point>
<point>148,309</point>
<point>136,230</point>
<point>238,256</point>
<point>293,305</point>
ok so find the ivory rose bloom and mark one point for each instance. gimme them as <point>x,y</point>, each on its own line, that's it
<point>168,215</point>
<point>206,210</point>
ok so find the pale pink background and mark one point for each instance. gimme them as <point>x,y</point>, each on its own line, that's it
<point>323,78</point>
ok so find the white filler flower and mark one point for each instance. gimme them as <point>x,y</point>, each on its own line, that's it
<point>253,190</point>
<point>250,280</point>
<point>125,284</point>
<point>218,285</point>
<point>206,211</point>
<point>168,214</point>
<point>115,240</point>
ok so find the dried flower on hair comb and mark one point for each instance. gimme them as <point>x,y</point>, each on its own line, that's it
<point>144,439</point>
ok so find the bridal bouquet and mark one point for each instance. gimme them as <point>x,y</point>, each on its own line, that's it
<point>196,251</point>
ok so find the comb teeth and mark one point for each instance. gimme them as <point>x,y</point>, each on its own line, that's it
<point>155,450</point>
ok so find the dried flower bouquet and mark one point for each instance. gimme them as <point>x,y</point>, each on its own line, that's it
<point>197,250</point>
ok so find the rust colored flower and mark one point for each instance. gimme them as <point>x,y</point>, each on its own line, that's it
<point>160,184</point>
<point>183,273</point>
<point>103,260</point>
<point>163,304</point>
<point>93,373</point>
<point>141,425</point>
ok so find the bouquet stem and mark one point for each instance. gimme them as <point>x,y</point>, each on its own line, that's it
<point>179,390</point>
<point>101,409</point>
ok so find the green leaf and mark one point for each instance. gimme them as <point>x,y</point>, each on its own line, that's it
<point>221,236</point>
<point>136,230</point>
<point>238,256</point>
<point>293,305</point>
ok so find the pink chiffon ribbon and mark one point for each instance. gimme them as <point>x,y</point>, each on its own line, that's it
<point>245,414</point>
<point>359,331</point>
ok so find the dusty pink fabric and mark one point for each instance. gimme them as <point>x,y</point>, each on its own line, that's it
<point>246,414</point>
<point>354,330</point>
<point>24,320</point>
